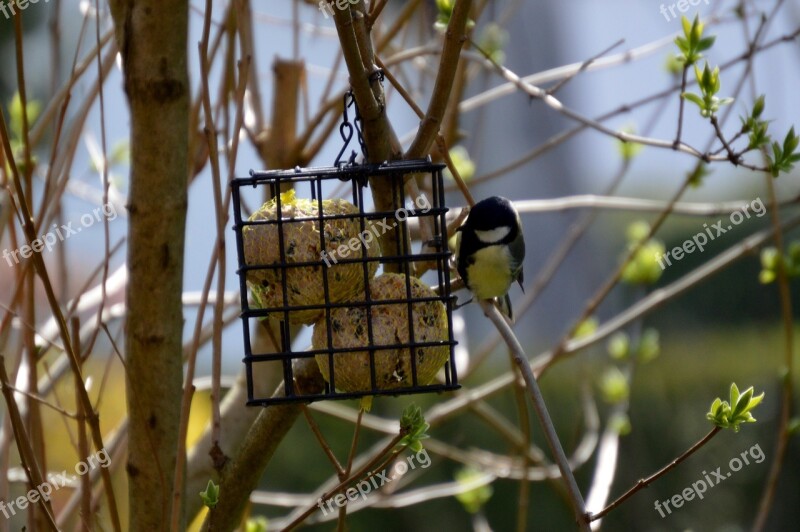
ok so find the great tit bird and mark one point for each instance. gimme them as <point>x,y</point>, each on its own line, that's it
<point>490,250</point>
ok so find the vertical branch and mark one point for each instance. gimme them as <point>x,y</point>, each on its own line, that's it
<point>521,360</point>
<point>787,388</point>
<point>454,38</point>
<point>83,442</point>
<point>379,137</point>
<point>154,55</point>
<point>278,149</point>
<point>26,455</point>
<point>31,412</point>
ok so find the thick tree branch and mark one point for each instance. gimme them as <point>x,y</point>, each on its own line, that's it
<point>379,137</point>
<point>241,475</point>
<point>454,39</point>
<point>154,55</point>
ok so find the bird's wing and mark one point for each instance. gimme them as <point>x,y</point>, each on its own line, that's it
<point>517,249</point>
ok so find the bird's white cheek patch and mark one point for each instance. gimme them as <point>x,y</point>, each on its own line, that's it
<point>492,236</point>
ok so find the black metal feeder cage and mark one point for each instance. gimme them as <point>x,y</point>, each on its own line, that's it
<point>374,285</point>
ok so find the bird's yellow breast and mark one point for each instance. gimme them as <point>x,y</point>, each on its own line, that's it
<point>490,274</point>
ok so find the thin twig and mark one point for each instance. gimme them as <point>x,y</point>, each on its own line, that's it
<point>312,424</point>
<point>569,77</point>
<point>365,470</point>
<point>643,483</point>
<point>681,105</point>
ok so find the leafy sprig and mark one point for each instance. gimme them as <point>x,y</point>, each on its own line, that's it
<point>413,427</point>
<point>755,127</point>
<point>692,43</point>
<point>210,496</point>
<point>731,414</point>
<point>784,156</point>
<point>772,261</point>
<point>709,84</point>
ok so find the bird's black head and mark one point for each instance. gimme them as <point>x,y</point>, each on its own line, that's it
<point>492,213</point>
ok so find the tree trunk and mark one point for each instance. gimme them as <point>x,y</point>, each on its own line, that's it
<point>152,37</point>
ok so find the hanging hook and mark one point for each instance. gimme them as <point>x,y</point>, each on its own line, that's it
<point>346,128</point>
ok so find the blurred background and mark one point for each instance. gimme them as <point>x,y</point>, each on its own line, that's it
<point>726,328</point>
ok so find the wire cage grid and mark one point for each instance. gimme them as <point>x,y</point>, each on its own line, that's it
<point>356,175</point>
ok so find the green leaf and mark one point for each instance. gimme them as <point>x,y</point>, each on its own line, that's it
<point>698,175</point>
<point>734,393</point>
<point>758,107</point>
<point>210,496</point>
<point>715,405</point>
<point>692,43</point>
<point>413,427</point>
<point>649,346</point>
<point>740,405</point>
<point>697,31</point>
<point>120,153</point>
<point>637,231</point>
<point>683,46</point>
<point>694,98</point>
<point>618,345</point>
<point>473,499</point>
<point>766,277</point>
<point>790,142</point>
<point>15,115</point>
<point>257,524</point>
<point>673,64</point>
<point>644,268</point>
<point>461,160</point>
<point>614,386</point>
<point>706,43</point>
<point>494,39</point>
<point>445,7</point>
<point>794,252</point>
<point>687,26</point>
<point>620,423</point>
<point>770,258</point>
<point>585,328</point>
